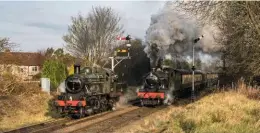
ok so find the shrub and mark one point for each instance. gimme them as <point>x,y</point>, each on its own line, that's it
<point>21,103</point>
<point>11,85</point>
<point>55,70</point>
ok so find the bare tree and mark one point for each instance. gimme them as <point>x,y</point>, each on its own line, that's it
<point>91,37</point>
<point>6,44</point>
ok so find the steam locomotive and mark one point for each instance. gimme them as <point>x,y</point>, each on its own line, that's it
<point>164,85</point>
<point>88,91</point>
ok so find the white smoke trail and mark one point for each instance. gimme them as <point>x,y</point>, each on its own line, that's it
<point>169,96</point>
<point>174,32</point>
<point>129,95</point>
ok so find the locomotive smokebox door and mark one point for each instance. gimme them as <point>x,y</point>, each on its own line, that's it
<point>76,68</point>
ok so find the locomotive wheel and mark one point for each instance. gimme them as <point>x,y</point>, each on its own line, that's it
<point>96,104</point>
<point>103,104</point>
<point>158,101</point>
<point>60,112</point>
<point>141,103</point>
<point>167,102</point>
<point>112,105</point>
<point>60,109</point>
<point>81,112</point>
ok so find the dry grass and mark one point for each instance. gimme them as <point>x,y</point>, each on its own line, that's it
<point>21,103</point>
<point>230,111</point>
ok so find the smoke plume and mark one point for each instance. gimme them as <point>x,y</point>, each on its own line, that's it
<point>172,33</point>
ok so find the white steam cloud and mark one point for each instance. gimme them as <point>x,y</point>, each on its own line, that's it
<point>173,34</point>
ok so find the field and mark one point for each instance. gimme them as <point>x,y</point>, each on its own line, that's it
<point>230,111</point>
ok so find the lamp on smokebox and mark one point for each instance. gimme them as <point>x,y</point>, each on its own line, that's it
<point>193,68</point>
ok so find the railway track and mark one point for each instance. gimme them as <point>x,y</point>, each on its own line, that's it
<point>105,121</point>
<point>57,124</point>
<point>114,123</point>
<point>52,125</point>
<point>38,126</point>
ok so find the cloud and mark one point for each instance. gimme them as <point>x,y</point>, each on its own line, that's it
<point>38,25</point>
<point>46,26</point>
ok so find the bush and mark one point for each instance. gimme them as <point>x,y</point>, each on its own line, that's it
<point>21,103</point>
<point>55,70</point>
<point>11,85</point>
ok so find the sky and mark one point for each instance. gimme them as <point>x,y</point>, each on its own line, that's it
<point>37,25</point>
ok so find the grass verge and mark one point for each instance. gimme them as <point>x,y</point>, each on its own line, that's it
<point>230,111</point>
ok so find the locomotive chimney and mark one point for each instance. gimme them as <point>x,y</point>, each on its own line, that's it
<point>76,68</point>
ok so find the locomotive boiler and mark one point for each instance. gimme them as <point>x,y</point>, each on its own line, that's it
<point>88,91</point>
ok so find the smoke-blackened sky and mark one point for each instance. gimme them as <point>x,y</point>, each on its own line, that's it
<point>174,32</point>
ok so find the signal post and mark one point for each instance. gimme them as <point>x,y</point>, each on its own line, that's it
<point>121,54</point>
<point>193,69</point>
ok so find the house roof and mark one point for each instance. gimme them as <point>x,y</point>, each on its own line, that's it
<point>21,58</point>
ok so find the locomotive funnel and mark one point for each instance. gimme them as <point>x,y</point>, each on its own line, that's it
<point>76,68</point>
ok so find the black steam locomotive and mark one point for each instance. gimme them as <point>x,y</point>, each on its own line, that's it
<point>88,91</point>
<point>163,85</point>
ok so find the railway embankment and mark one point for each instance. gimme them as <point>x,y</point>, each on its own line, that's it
<point>22,110</point>
<point>221,111</point>
<point>22,104</point>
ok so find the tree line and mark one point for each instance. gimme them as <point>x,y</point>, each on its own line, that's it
<point>239,23</point>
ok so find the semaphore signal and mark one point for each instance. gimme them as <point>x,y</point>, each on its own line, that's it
<point>124,38</point>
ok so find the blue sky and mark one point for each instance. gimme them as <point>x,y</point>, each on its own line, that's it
<point>39,25</point>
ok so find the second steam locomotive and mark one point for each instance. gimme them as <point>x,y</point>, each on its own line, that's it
<point>163,85</point>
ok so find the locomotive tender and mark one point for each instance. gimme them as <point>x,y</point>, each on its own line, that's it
<point>88,91</point>
<point>163,85</point>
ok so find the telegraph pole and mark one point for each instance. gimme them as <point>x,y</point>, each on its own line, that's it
<point>193,68</point>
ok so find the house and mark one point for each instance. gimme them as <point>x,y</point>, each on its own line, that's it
<point>23,64</point>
